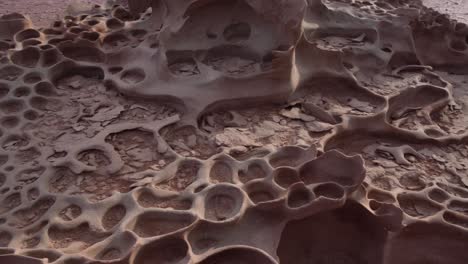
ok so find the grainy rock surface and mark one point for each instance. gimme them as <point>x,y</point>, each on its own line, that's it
<point>249,131</point>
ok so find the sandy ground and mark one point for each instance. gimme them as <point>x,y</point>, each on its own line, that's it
<point>43,11</point>
<point>458,9</point>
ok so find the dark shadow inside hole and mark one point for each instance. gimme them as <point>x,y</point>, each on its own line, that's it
<point>332,237</point>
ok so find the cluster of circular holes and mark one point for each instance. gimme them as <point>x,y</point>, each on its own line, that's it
<point>286,184</point>
<point>11,107</point>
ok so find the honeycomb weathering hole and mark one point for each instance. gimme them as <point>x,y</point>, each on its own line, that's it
<point>185,175</point>
<point>290,156</point>
<point>27,57</point>
<point>9,122</point>
<point>115,41</point>
<point>260,192</point>
<point>45,89</point>
<point>438,195</point>
<point>299,196</point>
<point>113,216</point>
<point>91,36</point>
<point>12,106</point>
<point>223,203</point>
<point>286,177</point>
<point>10,73</point>
<point>83,235</point>
<point>19,259</point>
<point>88,54</point>
<point>166,250</point>
<point>428,243</point>
<point>151,224</point>
<point>254,171</point>
<point>309,240</point>
<point>147,199</point>
<point>237,32</point>
<point>238,255</point>
<point>417,206</point>
<point>27,34</point>
<point>333,166</point>
<point>22,91</point>
<point>329,190</point>
<point>4,46</point>
<point>4,90</point>
<point>133,76</point>
<point>221,172</point>
<point>114,23</point>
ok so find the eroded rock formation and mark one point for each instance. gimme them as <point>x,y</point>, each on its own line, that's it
<point>245,131</point>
